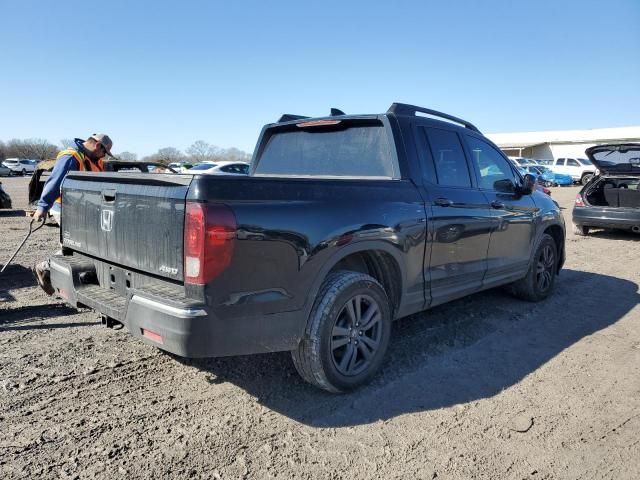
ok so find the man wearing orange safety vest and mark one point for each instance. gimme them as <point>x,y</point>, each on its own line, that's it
<point>86,156</point>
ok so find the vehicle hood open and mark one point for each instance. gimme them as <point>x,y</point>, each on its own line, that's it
<point>619,159</point>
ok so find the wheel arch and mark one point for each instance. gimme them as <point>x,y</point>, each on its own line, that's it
<point>377,259</point>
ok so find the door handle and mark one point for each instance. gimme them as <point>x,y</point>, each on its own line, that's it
<point>109,195</point>
<point>443,202</point>
<point>497,204</point>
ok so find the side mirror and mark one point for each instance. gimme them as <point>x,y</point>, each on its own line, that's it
<point>528,185</point>
<point>504,186</point>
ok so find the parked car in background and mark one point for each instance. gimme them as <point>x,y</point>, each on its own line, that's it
<point>521,161</point>
<point>580,169</point>
<point>611,199</point>
<point>4,171</point>
<point>539,186</point>
<point>180,167</point>
<point>547,162</point>
<point>221,168</point>
<point>548,177</point>
<point>20,166</point>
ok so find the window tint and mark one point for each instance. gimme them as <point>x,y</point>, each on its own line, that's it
<point>448,158</point>
<point>572,163</point>
<point>491,166</point>
<point>560,161</point>
<point>356,151</point>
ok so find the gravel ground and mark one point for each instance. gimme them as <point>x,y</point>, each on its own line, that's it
<point>484,387</point>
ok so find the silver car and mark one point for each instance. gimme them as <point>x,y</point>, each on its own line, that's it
<point>20,166</point>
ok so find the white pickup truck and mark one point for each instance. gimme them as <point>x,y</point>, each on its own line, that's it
<point>580,169</point>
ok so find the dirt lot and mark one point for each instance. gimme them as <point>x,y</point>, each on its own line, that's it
<point>486,387</point>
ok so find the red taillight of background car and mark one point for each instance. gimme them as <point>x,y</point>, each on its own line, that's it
<point>579,201</point>
<point>209,241</point>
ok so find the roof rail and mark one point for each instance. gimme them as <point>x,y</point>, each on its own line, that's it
<point>406,109</point>
<point>287,117</point>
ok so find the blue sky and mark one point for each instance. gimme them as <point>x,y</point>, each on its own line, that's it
<point>158,74</point>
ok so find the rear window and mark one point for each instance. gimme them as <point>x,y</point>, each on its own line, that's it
<point>337,151</point>
<point>585,161</point>
<point>203,166</point>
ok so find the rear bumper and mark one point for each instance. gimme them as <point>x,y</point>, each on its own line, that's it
<point>162,319</point>
<point>606,217</point>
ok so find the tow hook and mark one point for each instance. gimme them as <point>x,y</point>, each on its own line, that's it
<point>110,322</point>
<point>635,229</point>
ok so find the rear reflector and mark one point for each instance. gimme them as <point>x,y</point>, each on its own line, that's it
<point>209,241</point>
<point>156,337</point>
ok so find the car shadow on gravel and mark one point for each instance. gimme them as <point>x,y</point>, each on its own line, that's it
<point>614,235</point>
<point>12,213</point>
<point>456,353</point>
<point>15,276</point>
<point>16,319</point>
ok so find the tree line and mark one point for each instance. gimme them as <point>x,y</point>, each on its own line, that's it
<point>199,151</point>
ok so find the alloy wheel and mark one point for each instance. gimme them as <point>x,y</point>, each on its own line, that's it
<point>356,335</point>
<point>545,268</point>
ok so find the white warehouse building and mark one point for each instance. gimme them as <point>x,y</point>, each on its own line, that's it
<point>561,143</point>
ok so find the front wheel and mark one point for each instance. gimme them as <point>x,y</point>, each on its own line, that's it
<point>347,333</point>
<point>541,276</point>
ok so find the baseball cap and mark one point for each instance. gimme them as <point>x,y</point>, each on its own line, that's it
<point>104,140</point>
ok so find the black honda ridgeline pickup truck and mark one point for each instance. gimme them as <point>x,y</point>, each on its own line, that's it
<point>344,224</point>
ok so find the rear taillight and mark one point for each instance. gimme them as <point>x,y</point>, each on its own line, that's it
<point>579,201</point>
<point>209,240</point>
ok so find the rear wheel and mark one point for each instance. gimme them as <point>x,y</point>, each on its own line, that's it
<point>580,230</point>
<point>347,333</point>
<point>541,276</point>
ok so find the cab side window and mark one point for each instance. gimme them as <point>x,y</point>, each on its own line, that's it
<point>572,163</point>
<point>448,157</point>
<point>491,167</point>
<point>560,162</point>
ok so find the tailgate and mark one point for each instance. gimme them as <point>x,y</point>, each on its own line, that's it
<point>134,220</point>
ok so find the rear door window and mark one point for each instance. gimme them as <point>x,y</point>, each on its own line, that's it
<point>346,149</point>
<point>450,163</point>
<point>560,162</point>
<point>572,163</point>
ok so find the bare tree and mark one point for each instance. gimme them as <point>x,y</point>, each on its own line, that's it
<point>33,148</point>
<point>200,151</point>
<point>166,155</point>
<point>127,156</point>
<point>236,155</point>
<point>67,143</point>
<point>3,151</point>
<point>41,149</point>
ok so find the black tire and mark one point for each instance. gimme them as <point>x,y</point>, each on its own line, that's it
<point>586,178</point>
<point>24,172</point>
<point>541,277</point>
<point>336,353</point>
<point>580,230</point>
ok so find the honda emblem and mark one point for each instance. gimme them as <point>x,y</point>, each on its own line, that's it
<point>107,220</point>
